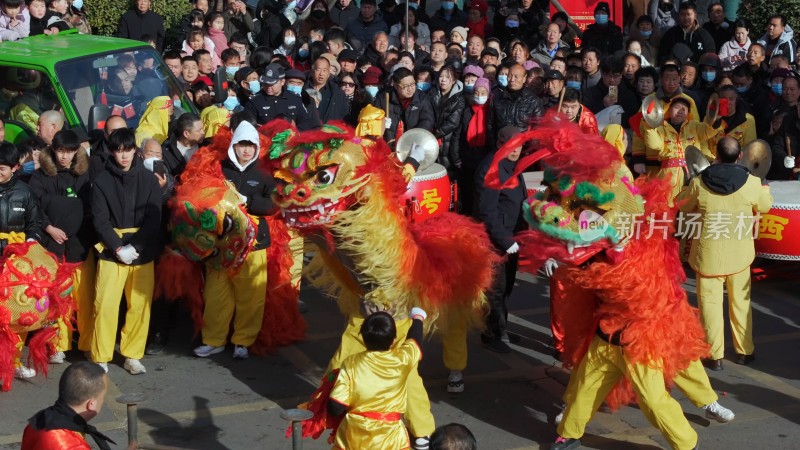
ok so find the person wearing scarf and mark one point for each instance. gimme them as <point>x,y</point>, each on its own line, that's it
<point>477,21</point>
<point>81,394</point>
<point>475,143</point>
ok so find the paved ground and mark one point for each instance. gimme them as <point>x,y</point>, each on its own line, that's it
<point>509,402</point>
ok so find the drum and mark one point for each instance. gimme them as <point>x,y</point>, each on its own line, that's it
<point>429,193</point>
<point>533,182</point>
<point>779,229</point>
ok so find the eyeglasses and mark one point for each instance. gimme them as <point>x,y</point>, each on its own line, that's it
<point>347,84</point>
<point>406,87</point>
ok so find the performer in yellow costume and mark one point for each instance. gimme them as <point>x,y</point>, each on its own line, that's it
<point>371,389</point>
<point>155,120</point>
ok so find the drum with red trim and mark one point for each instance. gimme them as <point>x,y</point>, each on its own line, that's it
<point>533,182</point>
<point>779,229</point>
<point>429,193</point>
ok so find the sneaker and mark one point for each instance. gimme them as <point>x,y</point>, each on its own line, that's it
<point>23,372</point>
<point>207,350</point>
<point>58,358</point>
<point>156,345</point>
<point>455,382</point>
<point>719,413</point>
<point>562,443</point>
<point>560,415</point>
<point>421,443</point>
<point>240,352</point>
<point>104,366</point>
<point>134,366</point>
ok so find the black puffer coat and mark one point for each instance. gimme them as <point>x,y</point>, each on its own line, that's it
<point>448,110</point>
<point>19,211</point>
<point>516,108</point>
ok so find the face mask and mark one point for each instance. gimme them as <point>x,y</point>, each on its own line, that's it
<point>177,104</point>
<point>647,34</point>
<point>297,90</point>
<point>77,4</point>
<point>503,80</point>
<point>231,71</point>
<point>148,163</point>
<point>231,103</point>
<point>742,89</point>
<point>318,14</point>
<point>28,167</point>
<point>292,5</point>
<point>448,6</point>
<point>512,23</point>
<point>481,99</point>
<point>254,86</point>
<point>777,89</point>
<point>372,90</point>
<point>574,85</point>
<point>463,44</point>
<point>469,87</point>
<point>709,76</point>
<point>665,7</point>
<point>288,41</point>
<point>424,86</point>
<point>413,5</point>
<point>302,53</point>
<point>601,19</point>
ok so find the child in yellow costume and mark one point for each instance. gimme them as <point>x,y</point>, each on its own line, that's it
<point>213,118</point>
<point>370,390</point>
<point>155,120</point>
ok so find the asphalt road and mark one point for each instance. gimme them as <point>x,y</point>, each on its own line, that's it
<point>509,402</point>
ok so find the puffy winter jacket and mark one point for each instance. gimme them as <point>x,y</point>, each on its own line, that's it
<point>19,211</point>
<point>448,124</point>
<point>515,108</point>
<point>418,114</point>
<point>786,45</point>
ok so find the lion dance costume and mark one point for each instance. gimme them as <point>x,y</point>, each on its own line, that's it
<point>342,192</point>
<point>35,292</point>
<point>621,287</point>
<point>211,226</point>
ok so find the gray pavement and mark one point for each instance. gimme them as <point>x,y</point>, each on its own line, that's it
<point>509,402</point>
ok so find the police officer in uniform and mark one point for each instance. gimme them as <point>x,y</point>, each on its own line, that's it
<point>274,101</point>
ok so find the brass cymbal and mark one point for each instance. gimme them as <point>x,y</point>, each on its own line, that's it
<point>696,162</point>
<point>652,111</point>
<point>712,110</point>
<point>757,157</point>
<point>422,137</point>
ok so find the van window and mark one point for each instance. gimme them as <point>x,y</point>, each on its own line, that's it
<point>26,93</point>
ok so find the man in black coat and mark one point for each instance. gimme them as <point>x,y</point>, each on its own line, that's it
<point>333,105</point>
<point>599,97</point>
<point>687,32</point>
<point>408,107</point>
<point>516,105</point>
<point>274,101</point>
<point>140,22</point>
<point>500,211</point>
<point>603,34</point>
<point>183,142</point>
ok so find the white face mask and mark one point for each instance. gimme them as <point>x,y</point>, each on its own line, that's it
<point>481,99</point>
<point>289,41</point>
<point>148,163</point>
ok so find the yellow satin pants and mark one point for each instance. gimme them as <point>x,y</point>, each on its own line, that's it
<point>112,280</point>
<point>695,385</point>
<point>296,247</point>
<point>418,410</point>
<point>710,298</point>
<point>454,345</point>
<point>239,297</point>
<point>597,374</point>
<point>83,291</point>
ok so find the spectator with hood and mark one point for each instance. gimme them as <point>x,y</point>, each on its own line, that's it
<point>366,26</point>
<point>779,39</point>
<point>734,52</point>
<point>689,33</point>
<point>604,34</point>
<point>664,14</point>
<point>318,19</point>
<point>272,23</point>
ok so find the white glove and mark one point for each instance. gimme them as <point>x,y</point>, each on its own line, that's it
<point>513,249</point>
<point>243,198</point>
<point>418,313</point>
<point>387,122</point>
<point>788,162</point>
<point>127,254</point>
<point>550,267</point>
<point>639,168</point>
<point>417,153</point>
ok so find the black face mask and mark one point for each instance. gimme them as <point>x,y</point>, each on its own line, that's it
<point>665,7</point>
<point>318,14</point>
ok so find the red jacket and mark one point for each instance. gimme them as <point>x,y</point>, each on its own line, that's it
<point>53,440</point>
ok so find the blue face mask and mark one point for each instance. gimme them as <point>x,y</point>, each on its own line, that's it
<point>303,53</point>
<point>254,86</point>
<point>709,76</point>
<point>448,6</point>
<point>647,34</point>
<point>468,88</point>
<point>601,19</point>
<point>177,103</point>
<point>503,80</point>
<point>574,85</point>
<point>231,103</point>
<point>742,89</point>
<point>372,90</point>
<point>512,23</point>
<point>231,71</point>
<point>28,167</point>
<point>77,4</point>
<point>413,5</point>
<point>292,5</point>
<point>297,90</point>
<point>777,89</point>
<point>424,86</point>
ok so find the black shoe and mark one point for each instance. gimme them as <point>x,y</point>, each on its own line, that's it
<point>565,443</point>
<point>713,364</point>
<point>302,307</point>
<point>486,338</point>
<point>498,346</point>
<point>744,360</point>
<point>156,345</point>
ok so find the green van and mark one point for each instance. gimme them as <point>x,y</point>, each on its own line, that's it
<point>88,78</point>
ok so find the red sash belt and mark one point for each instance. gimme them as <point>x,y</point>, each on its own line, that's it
<point>384,417</point>
<point>673,162</point>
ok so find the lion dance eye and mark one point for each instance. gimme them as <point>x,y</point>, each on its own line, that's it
<point>326,176</point>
